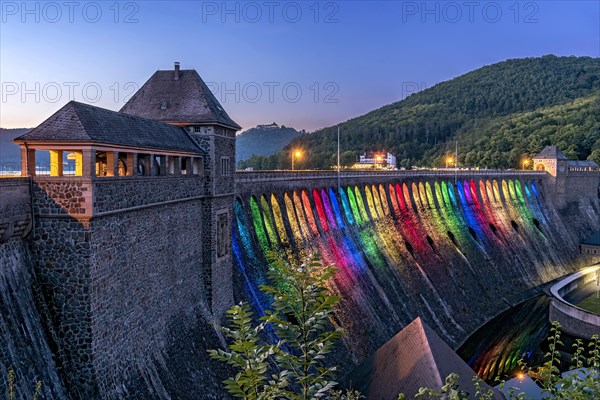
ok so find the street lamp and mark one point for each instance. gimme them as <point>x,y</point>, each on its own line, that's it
<point>295,154</point>
<point>378,159</point>
<point>449,161</point>
<point>525,163</point>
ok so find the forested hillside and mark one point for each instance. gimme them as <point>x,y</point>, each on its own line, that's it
<point>498,114</point>
<point>263,140</point>
<point>10,155</point>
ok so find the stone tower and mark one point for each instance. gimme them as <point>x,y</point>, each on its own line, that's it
<point>180,97</point>
<point>132,247</point>
<point>551,160</point>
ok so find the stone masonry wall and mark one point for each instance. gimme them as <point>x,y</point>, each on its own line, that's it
<point>146,270</point>
<point>218,270</point>
<point>61,248</point>
<point>15,208</point>
<point>112,194</point>
<point>582,184</point>
<point>62,197</point>
<point>119,277</point>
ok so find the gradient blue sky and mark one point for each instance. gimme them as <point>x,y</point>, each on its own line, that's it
<point>360,55</point>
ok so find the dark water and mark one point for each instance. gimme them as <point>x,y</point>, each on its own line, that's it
<point>494,350</point>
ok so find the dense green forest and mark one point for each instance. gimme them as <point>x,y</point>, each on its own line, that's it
<point>498,114</point>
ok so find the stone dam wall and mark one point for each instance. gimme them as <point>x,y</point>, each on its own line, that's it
<point>109,286</point>
<point>454,250</point>
<point>111,294</point>
<point>24,347</point>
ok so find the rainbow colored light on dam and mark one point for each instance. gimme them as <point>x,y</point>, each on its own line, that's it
<point>402,249</point>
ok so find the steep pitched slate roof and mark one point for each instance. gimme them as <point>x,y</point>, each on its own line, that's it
<point>78,122</point>
<point>551,152</point>
<point>416,357</point>
<point>187,99</point>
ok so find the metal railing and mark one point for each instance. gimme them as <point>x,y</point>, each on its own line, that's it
<point>258,176</point>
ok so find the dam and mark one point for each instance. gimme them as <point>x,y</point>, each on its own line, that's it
<point>112,277</point>
<point>451,248</point>
<point>455,248</point>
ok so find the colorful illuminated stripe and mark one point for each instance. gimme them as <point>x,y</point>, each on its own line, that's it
<point>279,224</point>
<point>292,219</point>
<point>300,214</point>
<point>336,209</point>
<point>355,212</point>
<point>268,220</point>
<point>399,247</point>
<point>371,203</point>
<point>346,206</point>
<point>258,224</point>
<point>321,211</point>
<point>377,201</point>
<point>333,221</point>
<point>384,202</point>
<point>308,212</point>
<point>361,205</point>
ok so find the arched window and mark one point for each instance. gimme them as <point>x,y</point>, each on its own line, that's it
<point>122,167</point>
<point>540,167</point>
<point>141,168</point>
<point>101,166</point>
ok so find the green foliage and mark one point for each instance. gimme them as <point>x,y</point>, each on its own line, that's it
<point>302,308</point>
<point>498,113</point>
<point>549,372</point>
<point>11,387</point>
<point>248,356</point>
<point>348,395</point>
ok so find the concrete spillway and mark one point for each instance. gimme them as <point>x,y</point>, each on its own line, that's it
<point>455,253</point>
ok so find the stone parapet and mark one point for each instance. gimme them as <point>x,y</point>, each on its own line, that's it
<point>114,194</point>
<point>85,198</point>
<point>574,320</point>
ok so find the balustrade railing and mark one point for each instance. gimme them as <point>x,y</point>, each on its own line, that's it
<point>257,176</point>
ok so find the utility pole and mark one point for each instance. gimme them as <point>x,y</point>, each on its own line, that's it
<point>455,163</point>
<point>338,159</point>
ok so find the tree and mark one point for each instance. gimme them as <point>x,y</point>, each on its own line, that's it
<point>294,367</point>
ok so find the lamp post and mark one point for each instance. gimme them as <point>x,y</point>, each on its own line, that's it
<point>295,154</point>
<point>449,161</point>
<point>525,163</point>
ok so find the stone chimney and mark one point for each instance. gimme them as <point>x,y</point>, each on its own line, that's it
<point>176,75</point>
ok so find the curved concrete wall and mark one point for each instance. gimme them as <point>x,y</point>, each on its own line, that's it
<point>574,320</point>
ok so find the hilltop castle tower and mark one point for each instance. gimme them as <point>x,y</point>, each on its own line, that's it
<point>133,247</point>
